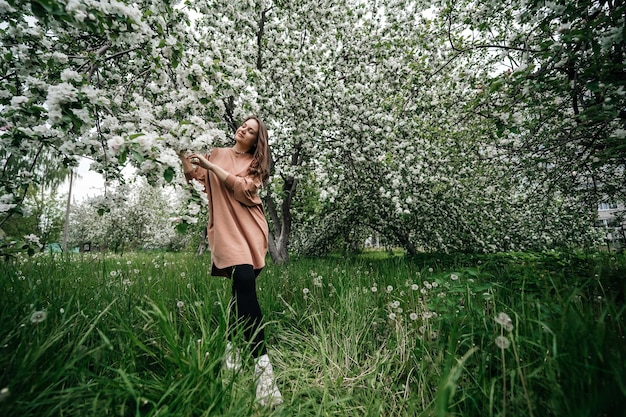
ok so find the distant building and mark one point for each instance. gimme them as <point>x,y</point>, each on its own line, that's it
<point>612,217</point>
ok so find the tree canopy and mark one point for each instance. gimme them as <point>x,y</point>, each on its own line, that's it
<point>471,126</point>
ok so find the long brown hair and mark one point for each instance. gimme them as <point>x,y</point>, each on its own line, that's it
<point>261,152</point>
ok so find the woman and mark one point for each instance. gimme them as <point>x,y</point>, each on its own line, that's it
<point>237,233</point>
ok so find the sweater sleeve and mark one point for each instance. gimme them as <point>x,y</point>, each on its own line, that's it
<point>245,189</point>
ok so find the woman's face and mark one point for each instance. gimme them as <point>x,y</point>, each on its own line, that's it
<point>247,134</point>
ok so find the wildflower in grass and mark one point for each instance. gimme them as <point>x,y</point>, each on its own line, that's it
<point>423,290</point>
<point>317,280</point>
<point>413,316</point>
<point>505,321</point>
<point>374,289</point>
<point>434,284</point>
<point>189,286</point>
<point>421,329</point>
<point>392,316</point>
<point>503,342</point>
<point>415,287</point>
<point>430,270</point>
<point>394,304</point>
<point>305,291</point>
<point>454,277</point>
<point>180,304</point>
<point>427,285</point>
<point>433,335</point>
<point>182,274</point>
<point>113,273</point>
<point>4,393</point>
<point>126,282</point>
<point>62,310</point>
<point>38,316</point>
<point>136,271</point>
<point>389,288</point>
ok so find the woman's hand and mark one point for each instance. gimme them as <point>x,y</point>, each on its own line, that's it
<point>187,164</point>
<point>200,160</point>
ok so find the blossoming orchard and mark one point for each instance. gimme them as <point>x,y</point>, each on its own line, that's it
<point>474,126</point>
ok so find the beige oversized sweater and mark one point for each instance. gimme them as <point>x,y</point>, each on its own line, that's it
<point>237,229</point>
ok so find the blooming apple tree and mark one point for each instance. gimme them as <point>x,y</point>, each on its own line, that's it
<point>454,126</point>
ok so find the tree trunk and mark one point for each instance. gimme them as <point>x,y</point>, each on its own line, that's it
<point>281,230</point>
<point>66,226</point>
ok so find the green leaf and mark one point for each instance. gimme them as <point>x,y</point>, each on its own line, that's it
<point>168,174</point>
<point>38,9</point>
<point>182,228</point>
<point>137,155</point>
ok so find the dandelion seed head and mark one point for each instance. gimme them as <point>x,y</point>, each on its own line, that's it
<point>430,269</point>
<point>392,316</point>
<point>413,316</point>
<point>180,304</point>
<point>374,289</point>
<point>305,290</point>
<point>454,277</point>
<point>505,321</point>
<point>62,310</point>
<point>4,393</point>
<point>503,342</point>
<point>415,287</point>
<point>389,288</point>
<point>38,316</point>
<point>183,274</point>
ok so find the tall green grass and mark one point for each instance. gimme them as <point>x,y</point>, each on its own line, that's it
<point>370,335</point>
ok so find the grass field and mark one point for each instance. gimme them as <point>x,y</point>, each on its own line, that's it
<point>513,334</point>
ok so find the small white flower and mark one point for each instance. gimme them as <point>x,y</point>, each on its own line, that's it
<point>413,316</point>
<point>392,316</point>
<point>389,288</point>
<point>374,289</point>
<point>415,287</point>
<point>454,277</point>
<point>180,304</point>
<point>305,291</point>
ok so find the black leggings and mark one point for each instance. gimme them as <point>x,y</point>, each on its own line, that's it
<point>245,305</point>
